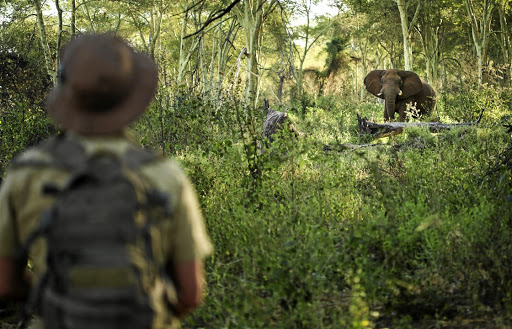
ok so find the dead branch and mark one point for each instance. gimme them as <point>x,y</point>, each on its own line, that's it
<point>343,147</point>
<point>379,130</point>
<point>239,61</point>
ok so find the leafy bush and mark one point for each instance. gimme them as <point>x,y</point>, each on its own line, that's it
<point>468,104</point>
<point>397,236</point>
<point>21,126</point>
<point>412,233</point>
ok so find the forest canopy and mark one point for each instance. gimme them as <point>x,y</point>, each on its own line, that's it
<point>451,44</point>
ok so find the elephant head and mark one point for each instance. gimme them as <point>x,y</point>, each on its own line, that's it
<point>398,88</point>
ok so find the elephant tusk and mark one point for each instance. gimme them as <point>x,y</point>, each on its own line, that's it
<point>400,92</point>
<point>379,94</point>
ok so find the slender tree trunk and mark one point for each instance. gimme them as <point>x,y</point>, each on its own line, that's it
<point>405,34</point>
<point>85,9</point>
<point>505,44</point>
<point>282,76</point>
<point>406,31</point>
<point>156,25</point>
<point>251,15</point>
<point>252,22</point>
<point>430,32</point>
<point>73,18</point>
<point>215,53</point>
<point>363,46</point>
<point>223,56</point>
<point>301,53</point>
<point>480,27</point>
<point>44,39</point>
<point>59,32</point>
<point>182,62</point>
<point>185,54</point>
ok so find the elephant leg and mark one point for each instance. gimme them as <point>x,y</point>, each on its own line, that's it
<point>386,116</point>
<point>401,111</point>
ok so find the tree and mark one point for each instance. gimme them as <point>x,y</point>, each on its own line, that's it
<point>407,29</point>
<point>480,17</point>
<point>383,25</point>
<point>147,17</point>
<point>303,38</point>
<point>44,39</point>
<point>251,15</point>
<point>505,37</point>
<point>431,26</point>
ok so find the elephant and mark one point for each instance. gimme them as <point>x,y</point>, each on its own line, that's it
<point>399,88</point>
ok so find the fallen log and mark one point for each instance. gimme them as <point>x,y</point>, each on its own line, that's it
<point>379,130</point>
<point>344,147</point>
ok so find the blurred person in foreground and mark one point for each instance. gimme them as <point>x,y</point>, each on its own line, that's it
<point>113,233</point>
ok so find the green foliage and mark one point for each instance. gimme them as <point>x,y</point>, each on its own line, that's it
<point>21,126</point>
<point>466,105</point>
<point>414,233</point>
<point>182,121</point>
<point>335,59</point>
<point>400,236</point>
<point>23,86</point>
<point>397,236</point>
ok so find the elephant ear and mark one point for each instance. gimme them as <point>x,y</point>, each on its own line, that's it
<point>373,82</point>
<point>411,84</point>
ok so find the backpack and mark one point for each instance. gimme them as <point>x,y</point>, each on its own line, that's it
<point>95,230</point>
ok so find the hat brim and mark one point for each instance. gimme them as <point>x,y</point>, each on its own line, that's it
<point>69,115</point>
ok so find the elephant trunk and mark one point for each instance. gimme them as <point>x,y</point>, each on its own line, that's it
<point>390,105</point>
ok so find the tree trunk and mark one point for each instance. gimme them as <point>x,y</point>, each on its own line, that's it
<point>405,34</point>
<point>394,128</point>
<point>430,29</point>
<point>301,53</point>
<point>505,44</point>
<point>480,27</point>
<point>44,40</point>
<point>85,9</point>
<point>59,32</point>
<point>185,54</point>
<point>364,63</point>
<point>225,43</point>
<point>407,31</point>
<point>73,18</point>
<point>251,18</point>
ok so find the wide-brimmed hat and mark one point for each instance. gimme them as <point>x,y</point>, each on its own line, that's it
<point>103,85</point>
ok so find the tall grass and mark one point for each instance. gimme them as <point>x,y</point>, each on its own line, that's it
<point>413,233</point>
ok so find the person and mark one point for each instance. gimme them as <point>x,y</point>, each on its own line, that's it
<point>103,86</point>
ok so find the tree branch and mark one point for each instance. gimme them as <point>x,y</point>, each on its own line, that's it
<point>394,128</point>
<point>218,14</point>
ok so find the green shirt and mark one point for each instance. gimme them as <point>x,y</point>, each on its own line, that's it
<point>183,238</point>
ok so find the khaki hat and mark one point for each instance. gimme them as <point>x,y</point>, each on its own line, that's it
<point>103,85</point>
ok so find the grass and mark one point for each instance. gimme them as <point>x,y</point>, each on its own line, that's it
<point>411,234</point>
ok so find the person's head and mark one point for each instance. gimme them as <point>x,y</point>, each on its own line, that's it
<point>103,85</point>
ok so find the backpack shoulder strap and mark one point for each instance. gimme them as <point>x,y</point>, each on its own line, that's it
<point>66,152</point>
<point>57,151</point>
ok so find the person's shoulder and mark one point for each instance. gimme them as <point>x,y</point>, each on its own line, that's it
<point>34,156</point>
<point>165,167</point>
<point>166,175</point>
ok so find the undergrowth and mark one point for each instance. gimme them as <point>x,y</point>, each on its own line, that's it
<point>412,233</point>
